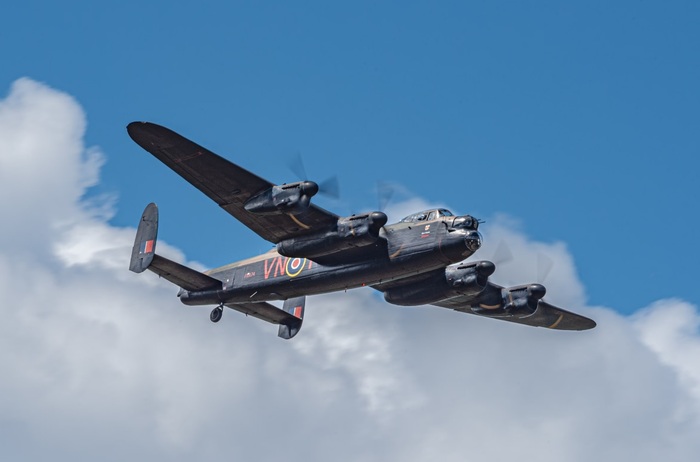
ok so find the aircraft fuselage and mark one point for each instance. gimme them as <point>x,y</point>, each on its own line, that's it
<point>410,249</point>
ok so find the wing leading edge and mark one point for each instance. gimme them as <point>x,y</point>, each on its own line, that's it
<point>226,183</point>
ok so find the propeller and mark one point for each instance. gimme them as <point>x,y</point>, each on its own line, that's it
<point>544,266</point>
<point>385,191</point>
<point>329,187</point>
<point>503,255</point>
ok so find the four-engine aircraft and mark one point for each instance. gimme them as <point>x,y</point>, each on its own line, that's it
<point>417,261</point>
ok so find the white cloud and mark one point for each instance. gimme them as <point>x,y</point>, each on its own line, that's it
<point>99,363</point>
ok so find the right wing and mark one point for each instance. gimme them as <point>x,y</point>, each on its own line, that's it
<point>226,183</point>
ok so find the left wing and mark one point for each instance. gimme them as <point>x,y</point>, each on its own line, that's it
<point>521,304</point>
<point>226,183</point>
<point>500,303</point>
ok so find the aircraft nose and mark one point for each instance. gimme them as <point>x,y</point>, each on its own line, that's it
<point>473,240</point>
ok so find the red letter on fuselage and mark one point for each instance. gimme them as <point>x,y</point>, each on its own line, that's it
<point>268,269</point>
<point>279,265</point>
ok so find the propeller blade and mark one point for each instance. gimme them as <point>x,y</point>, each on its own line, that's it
<point>296,165</point>
<point>385,191</point>
<point>544,266</point>
<point>330,187</point>
<point>502,255</point>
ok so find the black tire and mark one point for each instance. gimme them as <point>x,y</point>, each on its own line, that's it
<point>216,314</point>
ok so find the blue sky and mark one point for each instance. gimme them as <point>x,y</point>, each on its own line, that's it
<point>577,119</point>
<point>571,129</point>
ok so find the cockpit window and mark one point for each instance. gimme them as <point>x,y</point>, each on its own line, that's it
<point>422,216</point>
<point>428,215</point>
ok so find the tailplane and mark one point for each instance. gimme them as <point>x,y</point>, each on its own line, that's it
<point>143,257</point>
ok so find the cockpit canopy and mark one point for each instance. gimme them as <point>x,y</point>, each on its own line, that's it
<point>427,215</point>
<point>464,221</point>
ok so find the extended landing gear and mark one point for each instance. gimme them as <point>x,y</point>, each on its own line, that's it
<point>216,313</point>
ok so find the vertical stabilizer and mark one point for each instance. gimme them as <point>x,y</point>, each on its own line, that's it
<point>295,307</point>
<point>145,243</point>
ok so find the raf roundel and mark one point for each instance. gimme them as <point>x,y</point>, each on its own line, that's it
<point>294,266</point>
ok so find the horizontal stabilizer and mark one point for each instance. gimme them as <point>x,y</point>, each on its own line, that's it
<point>289,317</point>
<point>181,275</point>
<point>143,257</point>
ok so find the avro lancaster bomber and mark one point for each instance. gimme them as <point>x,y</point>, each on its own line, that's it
<point>418,261</point>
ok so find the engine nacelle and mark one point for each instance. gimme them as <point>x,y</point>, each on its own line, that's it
<point>517,301</point>
<point>350,232</point>
<point>469,279</point>
<point>291,198</point>
<point>465,279</point>
<point>361,225</point>
<point>523,300</point>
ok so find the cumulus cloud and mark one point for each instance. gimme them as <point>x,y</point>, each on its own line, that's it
<point>99,363</point>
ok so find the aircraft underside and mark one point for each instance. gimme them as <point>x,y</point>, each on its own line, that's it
<point>417,261</point>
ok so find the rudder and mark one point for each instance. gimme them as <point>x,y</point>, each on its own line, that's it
<point>145,243</point>
<point>294,306</point>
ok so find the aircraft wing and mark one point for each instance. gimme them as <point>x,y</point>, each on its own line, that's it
<point>490,303</point>
<point>226,183</point>
<point>546,315</point>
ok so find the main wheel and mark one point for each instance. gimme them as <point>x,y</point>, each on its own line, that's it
<point>216,314</point>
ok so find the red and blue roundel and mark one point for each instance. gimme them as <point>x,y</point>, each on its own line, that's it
<point>294,266</point>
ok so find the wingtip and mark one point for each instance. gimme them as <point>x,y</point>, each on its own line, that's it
<point>136,125</point>
<point>580,323</point>
<point>146,134</point>
<point>134,128</point>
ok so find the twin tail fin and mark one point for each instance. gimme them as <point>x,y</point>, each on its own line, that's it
<point>143,257</point>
